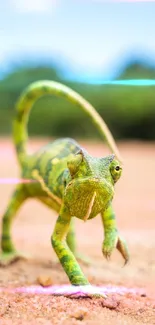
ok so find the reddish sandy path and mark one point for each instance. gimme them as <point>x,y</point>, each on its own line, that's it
<point>135,207</point>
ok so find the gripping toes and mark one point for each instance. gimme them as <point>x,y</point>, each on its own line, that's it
<point>112,242</point>
<point>123,249</point>
<point>109,244</point>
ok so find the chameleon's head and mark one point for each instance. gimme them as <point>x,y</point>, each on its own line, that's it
<point>90,185</point>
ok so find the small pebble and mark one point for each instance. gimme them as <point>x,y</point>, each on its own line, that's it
<point>110,303</point>
<point>79,313</point>
<point>44,281</point>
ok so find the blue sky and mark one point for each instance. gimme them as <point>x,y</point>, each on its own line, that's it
<point>93,36</point>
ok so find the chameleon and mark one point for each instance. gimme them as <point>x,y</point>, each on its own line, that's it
<point>66,178</point>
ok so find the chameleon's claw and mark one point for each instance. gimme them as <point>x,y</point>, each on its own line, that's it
<point>107,256</point>
<point>108,246</point>
<point>123,249</point>
<point>120,244</point>
<point>11,257</point>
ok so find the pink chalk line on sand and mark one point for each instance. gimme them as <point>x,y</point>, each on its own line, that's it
<point>73,291</point>
<point>10,180</point>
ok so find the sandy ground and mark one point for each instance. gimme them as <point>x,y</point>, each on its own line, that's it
<point>135,208</point>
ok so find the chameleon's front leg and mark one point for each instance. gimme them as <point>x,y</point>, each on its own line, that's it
<point>63,252</point>
<point>70,239</point>
<point>112,239</point>
<point>8,251</point>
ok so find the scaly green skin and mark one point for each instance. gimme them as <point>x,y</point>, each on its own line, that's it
<point>67,179</point>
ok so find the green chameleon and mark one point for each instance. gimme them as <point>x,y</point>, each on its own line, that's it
<point>67,179</point>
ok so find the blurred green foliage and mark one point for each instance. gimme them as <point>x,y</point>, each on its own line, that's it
<point>129,111</point>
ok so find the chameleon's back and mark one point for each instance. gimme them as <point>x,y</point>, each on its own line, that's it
<point>49,163</point>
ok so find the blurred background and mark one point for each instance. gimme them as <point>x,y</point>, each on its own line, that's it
<point>105,50</point>
<point>85,44</point>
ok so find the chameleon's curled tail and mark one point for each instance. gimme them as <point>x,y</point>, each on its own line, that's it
<point>44,87</point>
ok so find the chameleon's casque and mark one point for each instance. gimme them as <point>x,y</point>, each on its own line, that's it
<point>67,179</point>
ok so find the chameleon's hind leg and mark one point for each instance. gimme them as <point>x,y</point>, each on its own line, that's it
<point>71,242</point>
<point>9,253</point>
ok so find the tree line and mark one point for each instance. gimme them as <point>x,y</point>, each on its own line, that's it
<point>129,111</point>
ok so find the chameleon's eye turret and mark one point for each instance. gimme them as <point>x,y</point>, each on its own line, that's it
<point>74,163</point>
<point>106,161</point>
<point>116,170</point>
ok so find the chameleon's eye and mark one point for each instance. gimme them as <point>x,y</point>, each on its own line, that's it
<point>117,168</point>
<point>74,163</point>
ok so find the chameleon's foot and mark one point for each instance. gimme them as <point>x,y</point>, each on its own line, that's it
<point>86,291</point>
<point>7,258</point>
<point>123,249</point>
<point>120,244</point>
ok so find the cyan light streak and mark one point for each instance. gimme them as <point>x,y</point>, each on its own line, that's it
<point>129,82</point>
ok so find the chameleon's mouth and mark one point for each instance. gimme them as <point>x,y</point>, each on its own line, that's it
<point>87,197</point>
